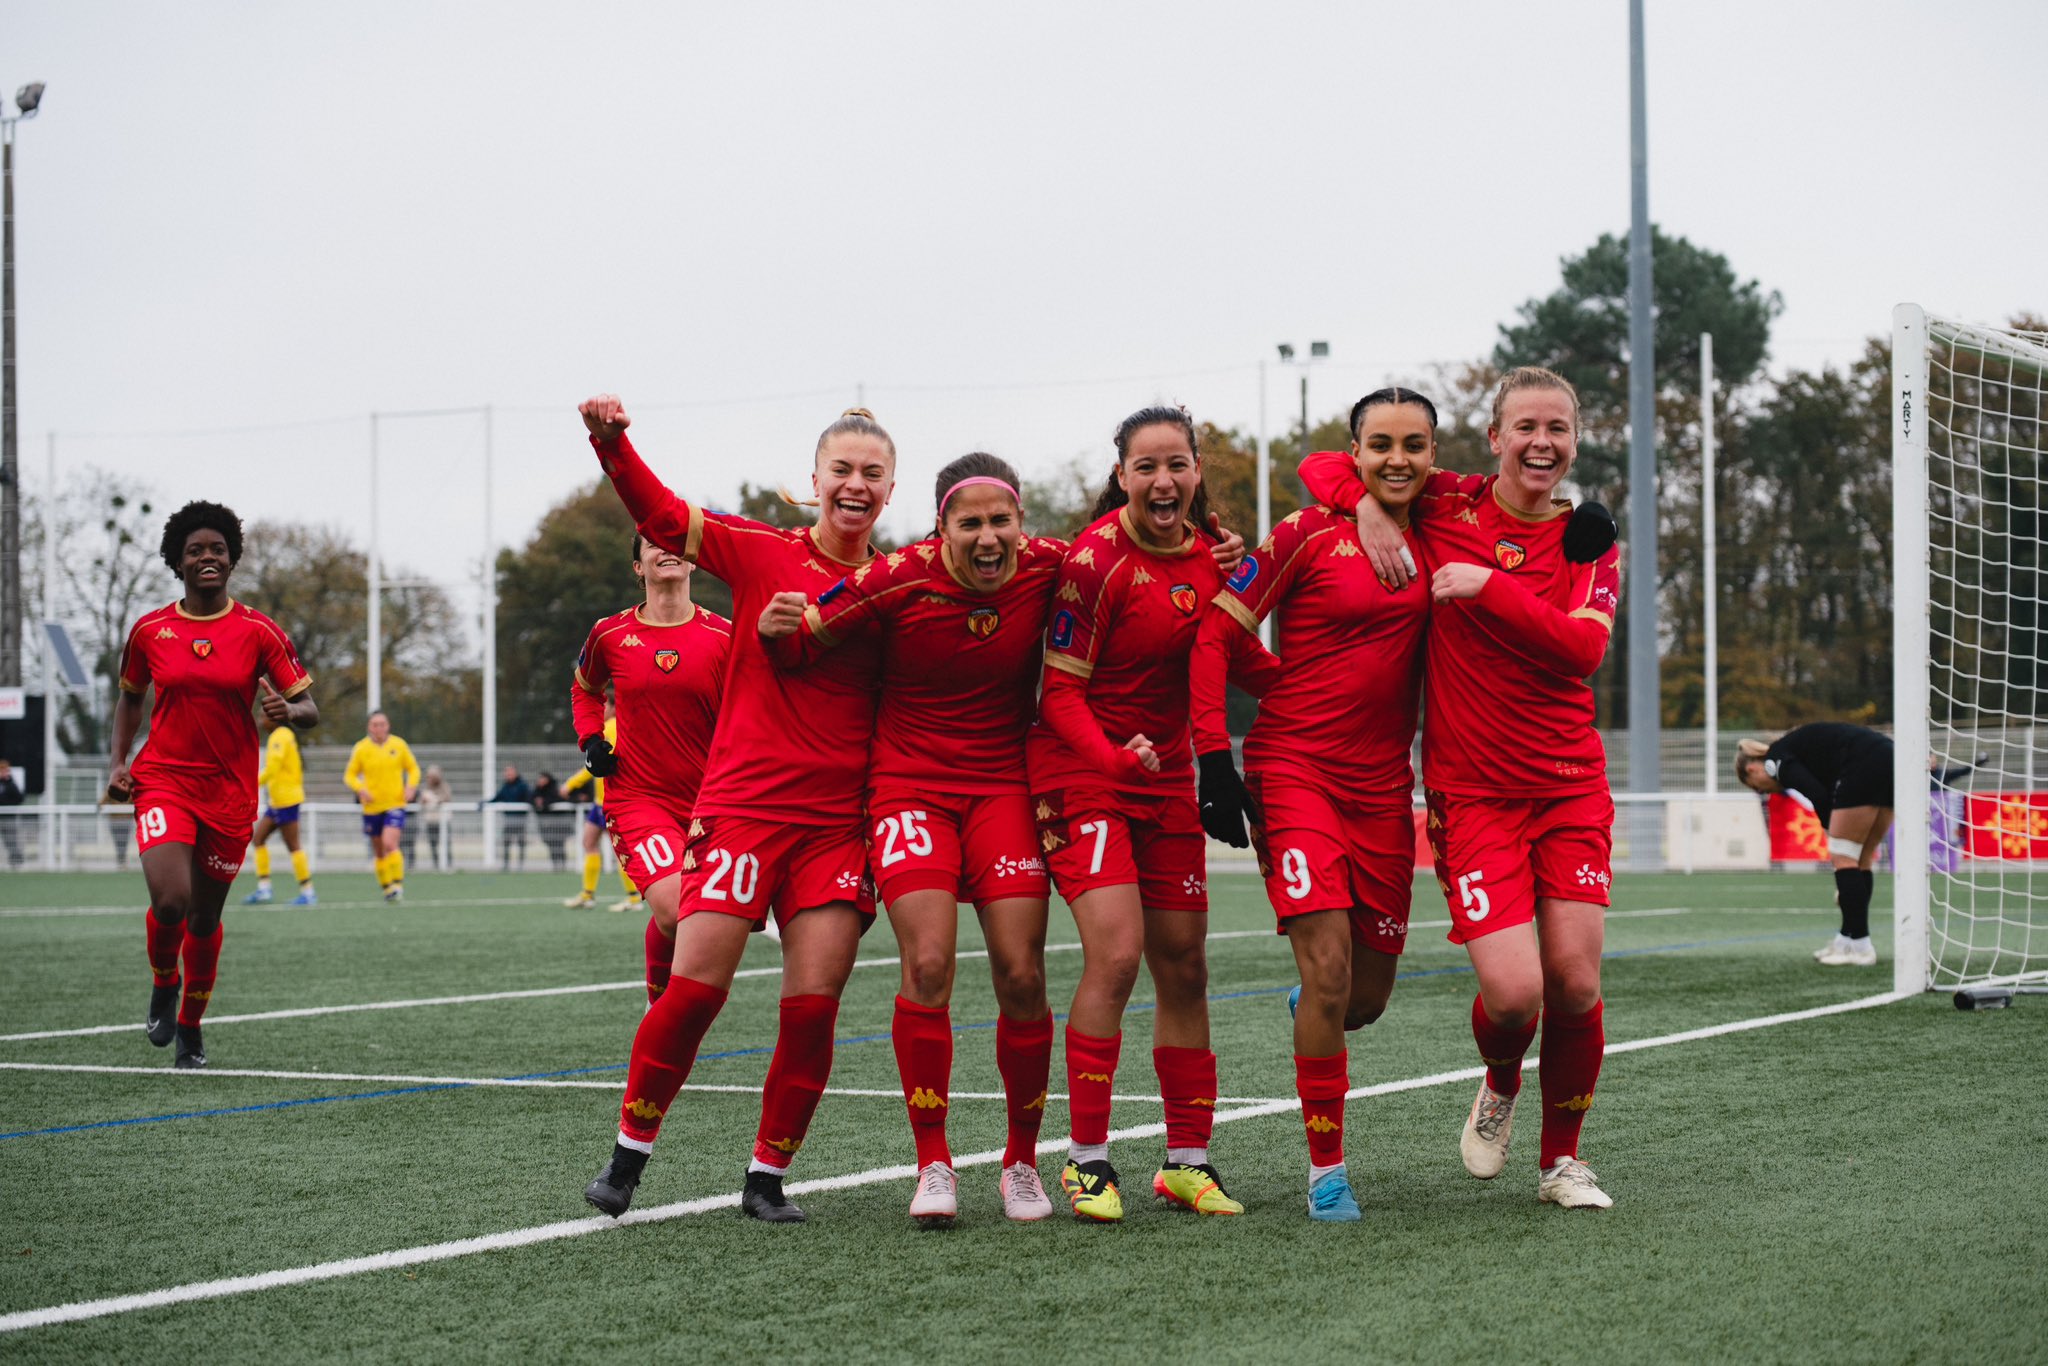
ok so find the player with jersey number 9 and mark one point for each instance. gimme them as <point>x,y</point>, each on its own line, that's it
<point>777,825</point>
<point>1520,821</point>
<point>194,784</point>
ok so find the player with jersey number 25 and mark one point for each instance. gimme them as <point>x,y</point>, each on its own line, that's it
<point>1520,821</point>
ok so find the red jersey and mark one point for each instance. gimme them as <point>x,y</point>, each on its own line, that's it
<point>1124,618</point>
<point>1337,709</point>
<point>790,745</point>
<point>1509,711</point>
<point>202,745</point>
<point>666,679</point>
<point>959,664</point>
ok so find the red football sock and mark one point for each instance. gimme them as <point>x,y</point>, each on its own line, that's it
<point>661,952</point>
<point>1091,1073</point>
<point>1567,1069</point>
<point>1024,1057</point>
<point>796,1077</point>
<point>1187,1083</point>
<point>164,942</point>
<point>923,1036</point>
<point>1321,1083</point>
<point>663,1050</point>
<point>1500,1048</point>
<point>202,960</point>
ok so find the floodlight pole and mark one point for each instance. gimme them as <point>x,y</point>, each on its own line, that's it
<point>49,821</point>
<point>28,97</point>
<point>490,625</point>
<point>1644,700</point>
<point>1264,473</point>
<point>374,679</point>
<point>1710,578</point>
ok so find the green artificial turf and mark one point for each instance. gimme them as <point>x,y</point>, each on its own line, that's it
<point>1863,1186</point>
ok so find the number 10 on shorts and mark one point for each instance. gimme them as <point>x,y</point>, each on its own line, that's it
<point>1472,896</point>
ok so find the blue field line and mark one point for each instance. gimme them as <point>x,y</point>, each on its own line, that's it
<point>1135,1007</point>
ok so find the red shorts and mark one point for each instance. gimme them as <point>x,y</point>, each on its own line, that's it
<point>648,840</point>
<point>1496,855</point>
<point>978,846</point>
<point>745,867</point>
<point>1322,851</point>
<point>1095,838</point>
<point>161,820</point>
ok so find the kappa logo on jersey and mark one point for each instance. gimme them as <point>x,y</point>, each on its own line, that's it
<point>924,1098</point>
<point>982,622</point>
<point>1139,576</point>
<point>1322,1124</point>
<point>1085,555</point>
<point>1246,572</point>
<point>643,1109</point>
<point>202,648</point>
<point>1579,1103</point>
<point>784,1145</point>
<point>630,640</point>
<point>666,660</point>
<point>1589,876</point>
<point>166,633</point>
<point>1507,554</point>
<point>925,550</point>
<point>1063,628</point>
<point>834,591</point>
<point>1343,550</point>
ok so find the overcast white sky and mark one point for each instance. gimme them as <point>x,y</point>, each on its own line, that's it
<point>1011,223</point>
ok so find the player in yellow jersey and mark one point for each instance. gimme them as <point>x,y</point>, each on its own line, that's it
<point>384,776</point>
<point>283,780</point>
<point>593,831</point>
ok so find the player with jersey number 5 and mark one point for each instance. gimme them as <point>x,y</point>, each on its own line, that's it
<point>663,663</point>
<point>1843,773</point>
<point>777,827</point>
<point>1520,819</point>
<point>194,784</point>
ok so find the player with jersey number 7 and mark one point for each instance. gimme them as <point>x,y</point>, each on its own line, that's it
<point>1520,818</point>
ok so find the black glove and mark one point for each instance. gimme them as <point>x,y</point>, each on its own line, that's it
<point>1223,799</point>
<point>599,758</point>
<point>1589,534</point>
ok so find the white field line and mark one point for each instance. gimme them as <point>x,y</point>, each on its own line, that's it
<point>576,1228</point>
<point>284,905</point>
<point>527,1083</point>
<point>307,1012</point>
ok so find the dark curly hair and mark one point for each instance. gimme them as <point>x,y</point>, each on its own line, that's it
<point>200,516</point>
<point>1113,496</point>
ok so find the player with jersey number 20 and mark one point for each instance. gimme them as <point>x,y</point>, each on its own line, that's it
<point>194,784</point>
<point>1520,818</point>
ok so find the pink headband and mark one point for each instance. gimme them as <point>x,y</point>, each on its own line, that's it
<point>983,479</point>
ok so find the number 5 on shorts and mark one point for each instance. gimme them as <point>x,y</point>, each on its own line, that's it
<point>1473,896</point>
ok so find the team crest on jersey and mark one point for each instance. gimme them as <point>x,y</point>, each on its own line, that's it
<point>982,622</point>
<point>1246,572</point>
<point>202,648</point>
<point>1062,629</point>
<point>1184,598</point>
<point>1508,555</point>
<point>666,660</point>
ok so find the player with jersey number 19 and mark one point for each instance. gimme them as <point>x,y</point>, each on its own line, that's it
<point>663,663</point>
<point>777,827</point>
<point>194,784</point>
<point>1520,819</point>
<point>1112,782</point>
<point>1327,780</point>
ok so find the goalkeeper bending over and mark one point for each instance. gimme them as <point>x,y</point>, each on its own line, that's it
<point>1844,773</point>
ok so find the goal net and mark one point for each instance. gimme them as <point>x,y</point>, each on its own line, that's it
<point>1970,524</point>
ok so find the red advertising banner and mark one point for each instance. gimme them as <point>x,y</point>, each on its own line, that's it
<point>1796,833</point>
<point>2007,825</point>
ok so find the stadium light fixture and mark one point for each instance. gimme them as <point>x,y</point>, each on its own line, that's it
<point>29,97</point>
<point>1286,352</point>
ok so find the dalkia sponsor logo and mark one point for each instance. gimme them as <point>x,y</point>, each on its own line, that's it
<point>1589,876</point>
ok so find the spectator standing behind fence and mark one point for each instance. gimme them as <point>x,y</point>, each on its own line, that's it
<point>554,817</point>
<point>10,795</point>
<point>513,791</point>
<point>435,798</point>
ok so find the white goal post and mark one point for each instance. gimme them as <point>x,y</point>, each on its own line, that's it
<point>1970,672</point>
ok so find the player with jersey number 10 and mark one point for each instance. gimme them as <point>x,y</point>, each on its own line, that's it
<point>1520,820</point>
<point>194,784</point>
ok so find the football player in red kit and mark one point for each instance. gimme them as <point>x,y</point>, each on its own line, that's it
<point>1112,782</point>
<point>777,828</point>
<point>1327,779</point>
<point>1520,818</point>
<point>664,663</point>
<point>194,783</point>
<point>960,618</point>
